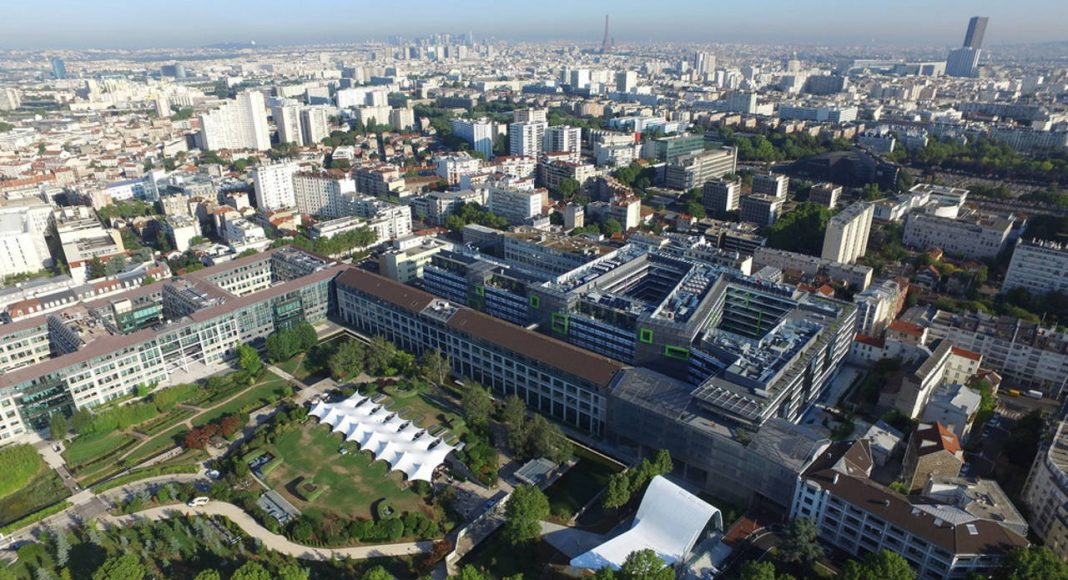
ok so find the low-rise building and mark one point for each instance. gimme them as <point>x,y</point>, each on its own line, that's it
<point>974,236</point>
<point>932,451</point>
<point>404,262</point>
<point>954,406</point>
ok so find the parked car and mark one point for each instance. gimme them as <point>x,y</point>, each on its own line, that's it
<point>198,501</point>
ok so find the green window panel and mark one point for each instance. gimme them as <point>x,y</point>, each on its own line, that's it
<point>560,323</point>
<point>480,290</point>
<point>677,352</point>
<point>646,335</point>
<point>535,301</point>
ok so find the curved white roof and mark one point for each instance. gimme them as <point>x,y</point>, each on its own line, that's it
<point>669,522</point>
<point>388,436</point>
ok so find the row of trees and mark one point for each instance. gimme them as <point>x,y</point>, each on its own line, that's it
<point>625,485</point>
<point>474,213</point>
<point>987,158</point>
<point>335,245</point>
<point>801,230</point>
<point>379,357</point>
<point>775,146</point>
<point>283,345</point>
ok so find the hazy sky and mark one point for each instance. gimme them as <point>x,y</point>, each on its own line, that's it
<point>42,24</point>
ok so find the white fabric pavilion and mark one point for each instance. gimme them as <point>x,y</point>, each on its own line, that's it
<point>669,522</point>
<point>406,447</point>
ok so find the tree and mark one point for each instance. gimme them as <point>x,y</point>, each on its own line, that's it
<point>801,230</point>
<point>1032,562</point>
<point>662,462</point>
<point>696,210</point>
<point>469,572</point>
<point>57,424</point>
<point>524,511</point>
<point>883,565</point>
<point>611,226</point>
<point>645,565</point>
<point>618,492</point>
<point>125,567</point>
<point>543,439</point>
<point>208,575</point>
<point>477,404</point>
<point>292,572</point>
<point>753,570</point>
<point>249,360</point>
<point>97,269</point>
<point>434,366</point>
<point>149,279</point>
<point>82,421</point>
<point>347,361</point>
<point>800,544</point>
<point>379,354</point>
<point>280,346</point>
<point>377,573</point>
<point>251,571</point>
<point>568,186</point>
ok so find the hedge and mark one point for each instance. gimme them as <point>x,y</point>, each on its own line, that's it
<point>35,517</point>
<point>20,463</point>
<point>144,474</point>
<point>253,454</point>
<point>271,465</point>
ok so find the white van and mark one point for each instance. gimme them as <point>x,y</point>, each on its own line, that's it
<point>198,502</point>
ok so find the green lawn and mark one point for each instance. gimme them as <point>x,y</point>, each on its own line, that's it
<point>165,422</point>
<point>45,489</point>
<point>580,484</point>
<point>256,396</point>
<point>93,447</point>
<point>155,445</point>
<point>353,481</point>
<point>412,405</point>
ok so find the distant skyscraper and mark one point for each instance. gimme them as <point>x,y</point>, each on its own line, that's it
<point>976,29</point>
<point>59,68</point>
<point>607,42</point>
<point>964,61</point>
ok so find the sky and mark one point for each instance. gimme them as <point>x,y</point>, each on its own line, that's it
<point>74,24</point>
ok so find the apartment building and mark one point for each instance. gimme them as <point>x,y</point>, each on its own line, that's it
<point>825,194</point>
<point>974,236</point>
<point>238,124</point>
<point>772,184</point>
<point>1038,266</point>
<point>846,238</point>
<point>939,539</point>
<point>721,197</point>
<point>760,209</point>
<point>273,185</point>
<point>879,305</point>
<point>516,200</point>
<point>323,194</point>
<point>1046,493</point>
<point>856,275</point>
<point>405,260</point>
<point>694,169</point>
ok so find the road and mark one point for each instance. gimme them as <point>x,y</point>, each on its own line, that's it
<point>271,540</point>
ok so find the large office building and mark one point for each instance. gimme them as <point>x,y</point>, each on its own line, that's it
<point>948,531</point>
<point>964,61</point>
<point>846,238</point>
<point>670,149</point>
<point>237,124</point>
<point>101,350</point>
<point>273,184</point>
<point>720,197</point>
<point>1038,266</point>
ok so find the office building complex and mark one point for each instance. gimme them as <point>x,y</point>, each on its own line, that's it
<point>101,350</point>
<point>846,238</point>
<point>1039,267</point>
<point>237,124</point>
<point>273,184</point>
<point>942,533</point>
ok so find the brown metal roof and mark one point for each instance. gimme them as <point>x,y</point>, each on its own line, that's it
<point>570,359</point>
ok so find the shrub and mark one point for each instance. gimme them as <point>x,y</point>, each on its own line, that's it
<point>35,517</point>
<point>144,474</point>
<point>271,465</point>
<point>21,463</point>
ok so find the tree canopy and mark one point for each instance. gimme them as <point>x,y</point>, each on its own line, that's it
<point>524,511</point>
<point>800,230</point>
<point>882,565</point>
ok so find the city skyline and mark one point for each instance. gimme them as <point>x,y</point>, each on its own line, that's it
<point>120,24</point>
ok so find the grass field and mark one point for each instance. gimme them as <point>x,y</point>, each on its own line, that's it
<point>353,481</point>
<point>44,489</point>
<point>87,449</point>
<point>156,445</point>
<point>414,407</point>
<point>20,463</point>
<point>580,484</point>
<point>256,396</point>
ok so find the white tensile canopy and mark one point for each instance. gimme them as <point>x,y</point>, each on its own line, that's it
<point>669,522</point>
<point>405,446</point>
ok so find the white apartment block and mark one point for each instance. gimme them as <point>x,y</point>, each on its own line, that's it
<point>479,133</point>
<point>771,184</point>
<point>402,119</point>
<point>530,116</point>
<point>563,138</point>
<point>379,115</point>
<point>323,194</point>
<point>971,237</point>
<point>1038,266</point>
<point>363,97</point>
<point>287,119</point>
<point>314,124</point>
<point>274,185</point>
<point>514,202</point>
<point>879,305</point>
<point>238,124</point>
<point>404,262</point>
<point>242,231</point>
<point>846,238</point>
<point>182,230</point>
<point>453,167</point>
<point>1046,494</point>
<point>527,139</point>
<point>23,226</point>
